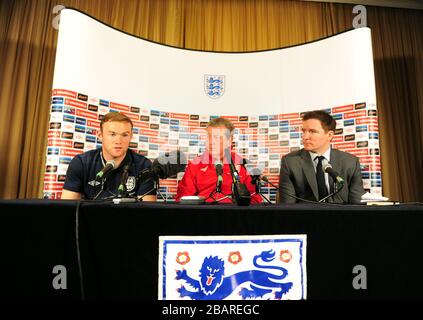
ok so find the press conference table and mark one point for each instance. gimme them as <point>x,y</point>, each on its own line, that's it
<point>119,245</point>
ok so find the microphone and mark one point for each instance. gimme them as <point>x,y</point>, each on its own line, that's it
<point>241,194</point>
<point>266,179</point>
<point>145,174</point>
<point>123,180</point>
<point>110,165</point>
<point>327,167</point>
<point>122,188</point>
<point>339,181</point>
<point>164,167</point>
<point>254,171</point>
<point>234,172</point>
<point>219,172</point>
<point>170,164</point>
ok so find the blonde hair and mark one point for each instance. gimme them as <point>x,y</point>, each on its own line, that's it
<point>221,122</point>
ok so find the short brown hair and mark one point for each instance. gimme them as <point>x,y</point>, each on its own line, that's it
<point>327,121</point>
<point>221,122</point>
<point>115,116</point>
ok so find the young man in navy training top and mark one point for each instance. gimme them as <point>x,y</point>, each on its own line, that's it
<point>115,134</point>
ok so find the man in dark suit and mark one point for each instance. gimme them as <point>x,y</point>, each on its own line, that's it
<point>302,172</point>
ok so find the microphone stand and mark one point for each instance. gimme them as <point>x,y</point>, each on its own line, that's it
<point>257,182</point>
<point>240,193</point>
<point>101,189</point>
<point>124,197</point>
<point>335,191</point>
<point>155,187</point>
<point>215,192</point>
<point>122,193</point>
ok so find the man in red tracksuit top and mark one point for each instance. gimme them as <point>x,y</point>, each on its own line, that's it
<point>200,178</point>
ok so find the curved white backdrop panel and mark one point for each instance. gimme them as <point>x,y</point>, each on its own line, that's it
<point>171,94</point>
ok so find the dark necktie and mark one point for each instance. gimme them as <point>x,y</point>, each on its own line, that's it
<point>320,176</point>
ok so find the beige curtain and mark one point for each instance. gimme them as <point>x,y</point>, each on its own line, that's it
<point>28,44</point>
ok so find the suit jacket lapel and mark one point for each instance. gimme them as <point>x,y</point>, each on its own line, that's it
<point>336,165</point>
<point>309,172</point>
<point>334,161</point>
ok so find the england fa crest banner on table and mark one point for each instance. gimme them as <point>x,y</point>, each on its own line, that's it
<point>232,267</point>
